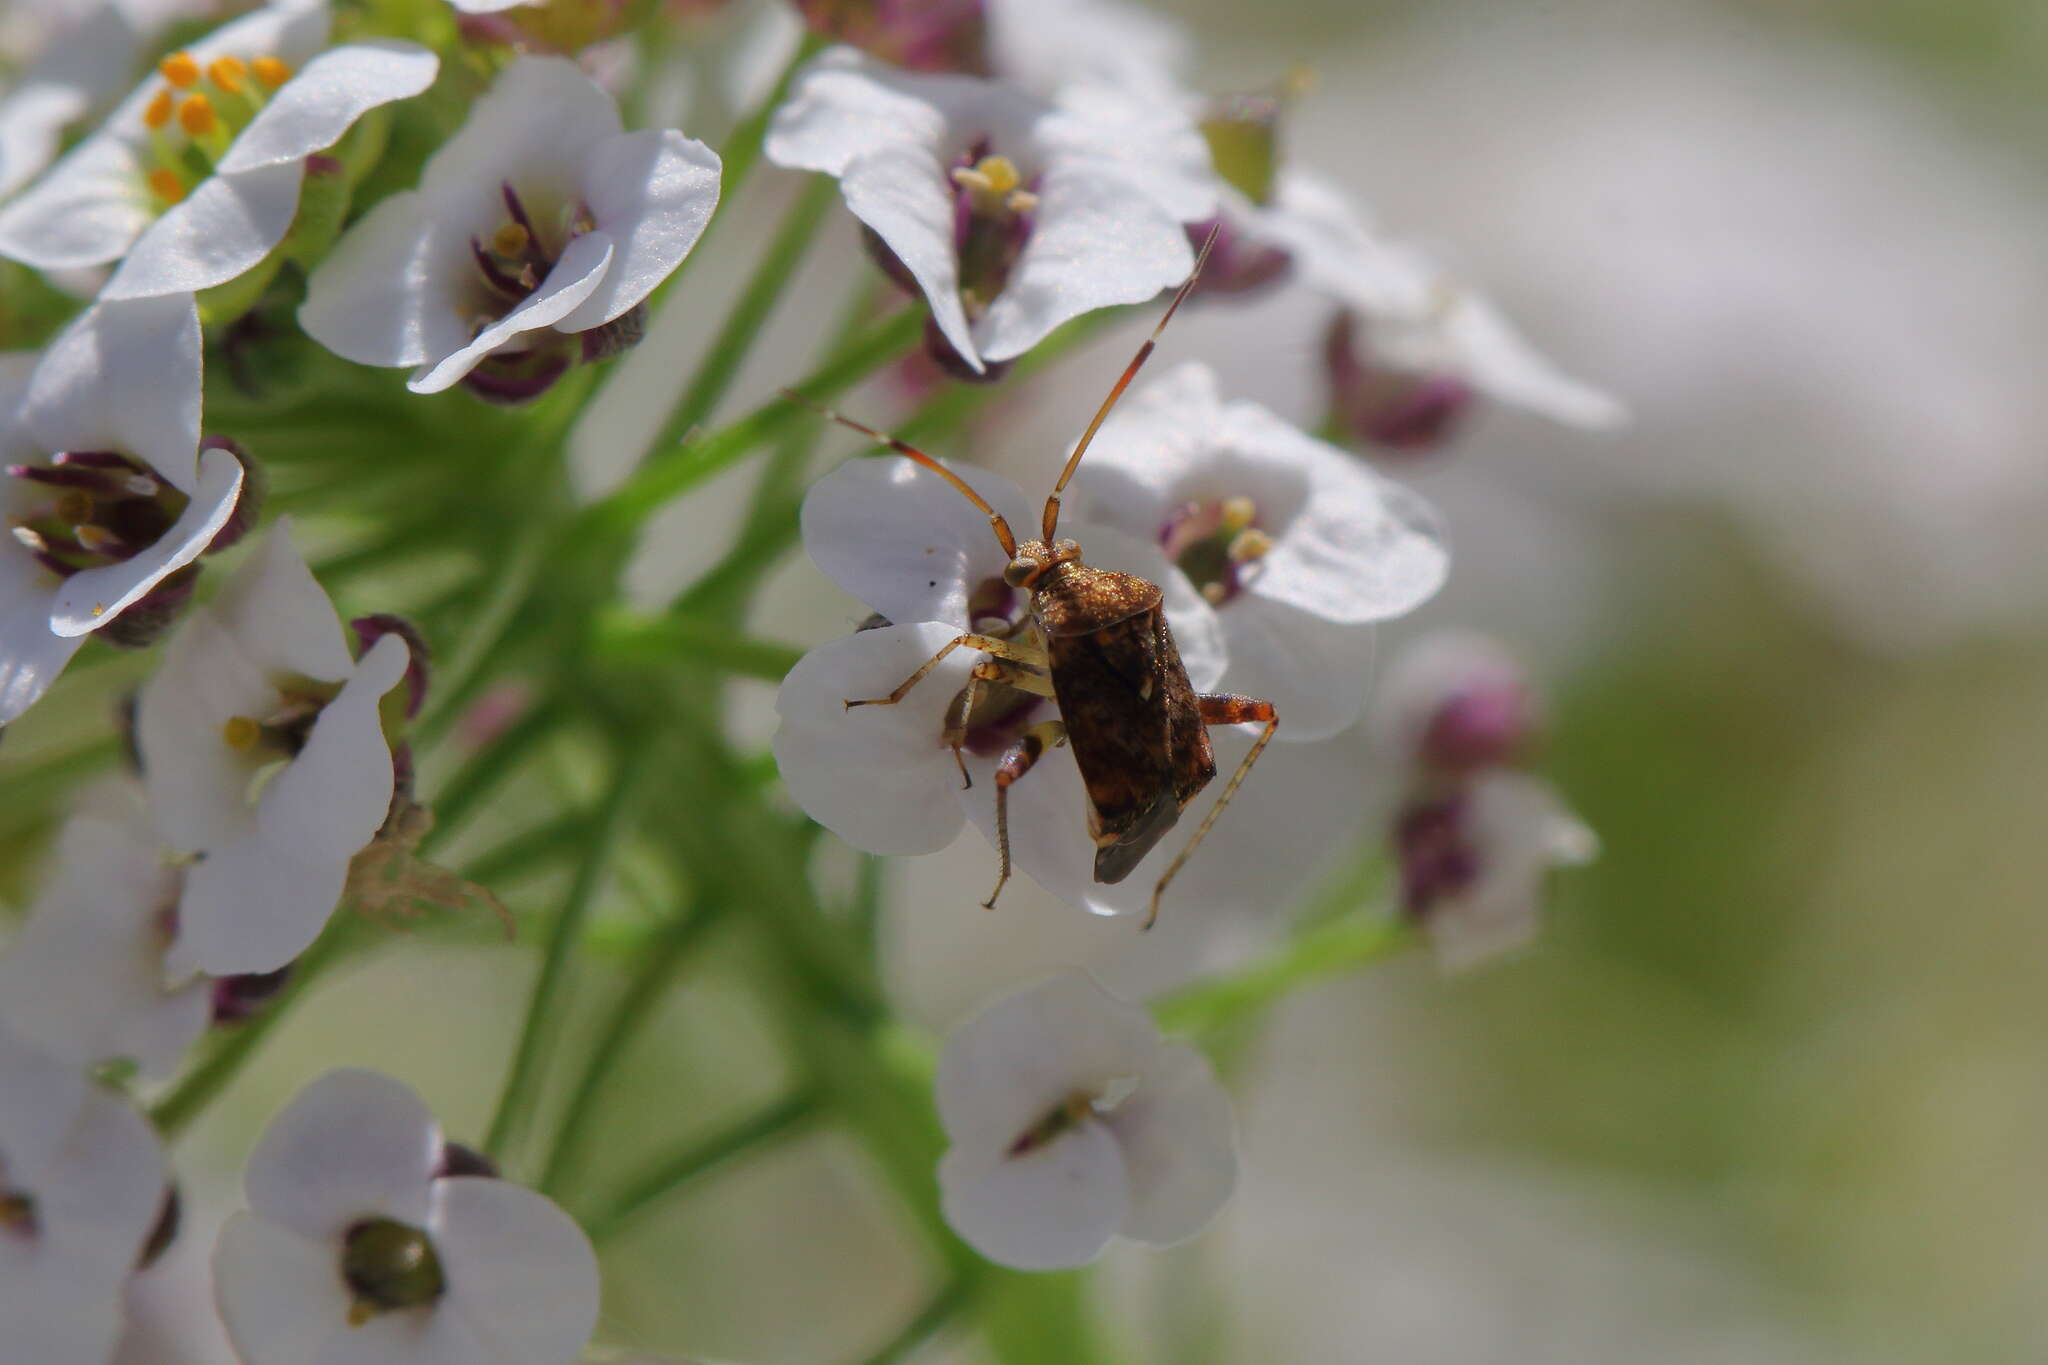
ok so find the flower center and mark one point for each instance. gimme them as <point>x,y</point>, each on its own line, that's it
<point>89,508</point>
<point>993,213</point>
<point>1433,847</point>
<point>267,742</point>
<point>197,113</point>
<point>1069,1114</point>
<point>518,254</point>
<point>1213,542</point>
<point>388,1266</point>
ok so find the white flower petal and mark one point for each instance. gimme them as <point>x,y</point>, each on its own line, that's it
<point>842,107</point>
<point>385,295</point>
<point>315,107</point>
<point>1043,45</point>
<point>1148,135</point>
<point>1179,1148</point>
<point>1519,828</point>
<point>279,612</point>
<point>534,128</point>
<point>331,799</point>
<point>1336,249</point>
<point>521,1274</point>
<point>124,377</point>
<point>280,1295</point>
<point>84,212</point>
<point>198,786</point>
<point>40,1099</point>
<point>1425,675</point>
<point>904,541</point>
<point>1502,365</point>
<point>1048,1209</point>
<point>654,191</point>
<point>576,276</point>
<point>433,1337</point>
<point>224,227</point>
<point>31,655</point>
<point>88,600</point>
<point>251,906</point>
<point>83,62</point>
<point>352,1145</point>
<point>876,776</point>
<point>1314,671</point>
<point>895,189</point>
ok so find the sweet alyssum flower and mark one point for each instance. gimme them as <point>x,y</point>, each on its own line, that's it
<point>108,497</point>
<point>368,1239</point>
<point>81,1187</point>
<point>1299,548</point>
<point>1009,213</point>
<point>84,977</point>
<point>265,757</point>
<point>195,177</point>
<point>1071,1122</point>
<point>535,234</point>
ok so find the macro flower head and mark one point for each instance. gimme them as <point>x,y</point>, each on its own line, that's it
<point>195,178</point>
<point>109,497</point>
<point>1070,1122</point>
<point>365,1241</point>
<point>265,755</point>
<point>1009,213</point>
<point>535,234</point>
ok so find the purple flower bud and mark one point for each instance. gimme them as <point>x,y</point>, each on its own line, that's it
<point>237,999</point>
<point>458,1160</point>
<point>1488,724</point>
<point>922,35</point>
<point>1434,851</point>
<point>420,656</point>
<point>1400,410</point>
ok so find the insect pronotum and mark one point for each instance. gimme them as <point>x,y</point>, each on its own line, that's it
<point>1099,646</point>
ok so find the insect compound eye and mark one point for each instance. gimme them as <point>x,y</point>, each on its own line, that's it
<point>1019,572</point>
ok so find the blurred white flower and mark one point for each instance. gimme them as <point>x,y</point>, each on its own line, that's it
<point>264,755</point>
<point>1010,214</point>
<point>1298,546</point>
<point>1070,1123</point>
<point>1454,701</point>
<point>84,977</point>
<point>108,495</point>
<point>81,1187</point>
<point>540,216</point>
<point>358,1246</point>
<point>195,177</point>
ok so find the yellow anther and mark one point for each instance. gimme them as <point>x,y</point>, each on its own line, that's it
<point>180,70</point>
<point>510,240</point>
<point>1213,594</point>
<point>1238,513</point>
<point>271,71</point>
<point>241,734</point>
<point>1000,172</point>
<point>228,73</point>
<point>1022,201</point>
<point>968,177</point>
<point>1251,543</point>
<point>97,539</point>
<point>166,186</point>
<point>196,116</point>
<point>157,113</point>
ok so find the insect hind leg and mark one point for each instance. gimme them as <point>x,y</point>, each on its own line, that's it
<point>1220,709</point>
<point>1016,762</point>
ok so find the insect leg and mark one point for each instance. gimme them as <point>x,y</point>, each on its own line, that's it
<point>1220,709</point>
<point>987,644</point>
<point>1017,762</point>
<point>1023,677</point>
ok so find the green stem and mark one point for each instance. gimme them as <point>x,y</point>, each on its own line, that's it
<point>626,638</point>
<point>781,1119</point>
<point>952,1299</point>
<point>481,773</point>
<point>728,349</point>
<point>516,1100</point>
<point>1343,945</point>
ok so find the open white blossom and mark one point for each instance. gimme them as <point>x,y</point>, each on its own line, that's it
<point>72,62</point>
<point>107,494</point>
<point>84,978</point>
<point>359,1246</point>
<point>1299,547</point>
<point>540,219</point>
<point>1010,213</point>
<point>1071,1122</point>
<point>195,177</point>
<point>81,1186</point>
<point>265,757</point>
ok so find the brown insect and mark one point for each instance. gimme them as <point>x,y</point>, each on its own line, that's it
<point>1096,642</point>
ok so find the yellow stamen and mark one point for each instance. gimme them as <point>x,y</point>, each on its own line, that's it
<point>1001,173</point>
<point>241,734</point>
<point>510,240</point>
<point>271,71</point>
<point>180,70</point>
<point>227,73</point>
<point>1022,201</point>
<point>157,113</point>
<point>1251,543</point>
<point>196,116</point>
<point>1213,594</point>
<point>166,186</point>
<point>1238,513</point>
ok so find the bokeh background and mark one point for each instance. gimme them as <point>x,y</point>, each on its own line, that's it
<point>1774,1086</point>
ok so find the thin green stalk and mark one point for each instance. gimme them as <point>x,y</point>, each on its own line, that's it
<point>517,1099</point>
<point>481,773</point>
<point>528,848</point>
<point>1357,940</point>
<point>626,638</point>
<point>780,1120</point>
<point>650,979</point>
<point>765,288</point>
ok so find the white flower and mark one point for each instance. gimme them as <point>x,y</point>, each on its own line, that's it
<point>1299,547</point>
<point>357,1247</point>
<point>195,177</point>
<point>1070,1123</point>
<point>81,1186</point>
<point>1455,701</point>
<point>84,978</point>
<point>540,216</point>
<point>265,757</point>
<point>107,493</point>
<point>1047,46</point>
<point>1012,214</point>
<point>74,65</point>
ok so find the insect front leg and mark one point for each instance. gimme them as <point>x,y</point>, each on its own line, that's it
<point>987,644</point>
<point>1220,709</point>
<point>1017,761</point>
<point>1023,677</point>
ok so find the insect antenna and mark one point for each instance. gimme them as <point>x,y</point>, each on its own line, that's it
<point>1052,503</point>
<point>904,448</point>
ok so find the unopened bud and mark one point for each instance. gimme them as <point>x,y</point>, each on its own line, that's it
<point>1394,409</point>
<point>237,999</point>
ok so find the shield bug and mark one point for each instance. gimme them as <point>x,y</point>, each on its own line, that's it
<point>1096,642</point>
